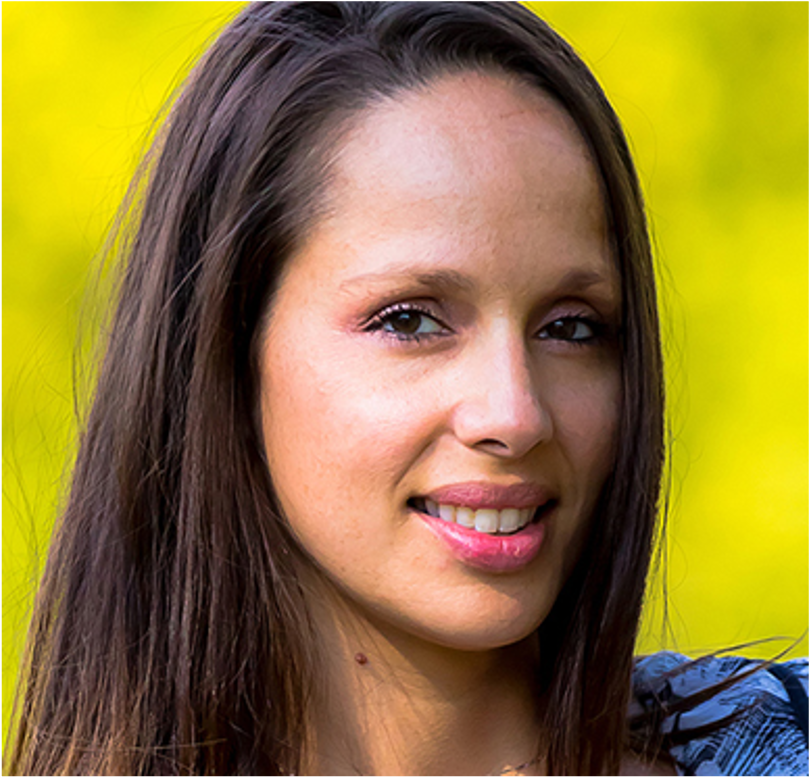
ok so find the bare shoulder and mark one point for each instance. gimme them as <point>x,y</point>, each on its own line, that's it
<point>633,765</point>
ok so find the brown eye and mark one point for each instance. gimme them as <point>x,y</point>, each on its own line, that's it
<point>569,328</point>
<point>406,323</point>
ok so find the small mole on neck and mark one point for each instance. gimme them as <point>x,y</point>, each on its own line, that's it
<point>361,658</point>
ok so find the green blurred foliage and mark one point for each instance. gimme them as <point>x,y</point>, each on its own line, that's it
<point>714,99</point>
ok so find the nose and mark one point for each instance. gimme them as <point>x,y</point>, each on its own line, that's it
<point>499,409</point>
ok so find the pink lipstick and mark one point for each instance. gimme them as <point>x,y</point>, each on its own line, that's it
<point>488,549</point>
<point>481,494</point>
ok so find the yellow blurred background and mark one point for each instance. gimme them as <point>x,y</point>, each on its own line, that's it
<point>714,99</point>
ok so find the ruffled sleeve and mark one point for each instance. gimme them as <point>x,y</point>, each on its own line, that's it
<point>769,734</point>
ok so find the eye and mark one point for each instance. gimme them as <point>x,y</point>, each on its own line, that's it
<point>571,328</point>
<point>406,321</point>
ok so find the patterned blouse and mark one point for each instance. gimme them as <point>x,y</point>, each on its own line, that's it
<point>769,738</point>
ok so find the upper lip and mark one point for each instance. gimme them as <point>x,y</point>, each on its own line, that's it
<point>479,494</point>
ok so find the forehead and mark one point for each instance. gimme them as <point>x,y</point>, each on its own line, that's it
<point>463,135</point>
<point>474,172</point>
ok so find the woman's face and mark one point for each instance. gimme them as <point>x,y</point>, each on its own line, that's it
<point>440,374</point>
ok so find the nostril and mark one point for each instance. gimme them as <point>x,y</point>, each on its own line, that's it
<point>491,442</point>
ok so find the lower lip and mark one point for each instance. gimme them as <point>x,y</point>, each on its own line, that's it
<point>491,552</point>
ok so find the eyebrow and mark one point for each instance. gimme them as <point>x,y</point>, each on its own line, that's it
<point>575,280</point>
<point>442,279</point>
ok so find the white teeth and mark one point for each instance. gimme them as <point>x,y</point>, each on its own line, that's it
<point>486,520</point>
<point>510,519</point>
<point>465,517</point>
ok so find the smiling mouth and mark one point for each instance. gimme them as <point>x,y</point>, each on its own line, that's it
<point>503,522</point>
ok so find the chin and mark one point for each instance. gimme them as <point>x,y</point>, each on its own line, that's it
<point>485,640</point>
<point>477,627</point>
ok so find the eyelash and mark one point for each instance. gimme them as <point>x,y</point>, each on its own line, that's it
<point>386,316</point>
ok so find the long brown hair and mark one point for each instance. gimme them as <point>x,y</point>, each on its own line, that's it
<point>170,634</point>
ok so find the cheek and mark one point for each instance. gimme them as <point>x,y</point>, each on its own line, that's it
<point>336,431</point>
<point>340,441</point>
<point>586,418</point>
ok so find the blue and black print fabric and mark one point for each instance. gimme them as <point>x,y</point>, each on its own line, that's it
<point>769,737</point>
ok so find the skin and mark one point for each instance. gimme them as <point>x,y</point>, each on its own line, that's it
<point>474,207</point>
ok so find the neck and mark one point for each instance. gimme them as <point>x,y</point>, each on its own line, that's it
<point>392,703</point>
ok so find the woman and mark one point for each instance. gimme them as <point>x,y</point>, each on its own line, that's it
<point>370,480</point>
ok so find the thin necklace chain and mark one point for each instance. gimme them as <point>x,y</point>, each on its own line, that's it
<point>507,771</point>
<point>515,771</point>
